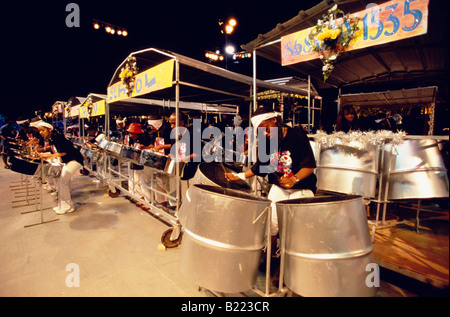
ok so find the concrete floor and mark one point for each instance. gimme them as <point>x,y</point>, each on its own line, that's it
<point>110,241</point>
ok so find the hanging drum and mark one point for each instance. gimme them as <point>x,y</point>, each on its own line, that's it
<point>24,165</point>
<point>327,246</point>
<point>415,170</point>
<point>223,238</point>
<point>114,148</point>
<point>213,174</point>
<point>153,159</point>
<point>131,153</point>
<point>348,170</point>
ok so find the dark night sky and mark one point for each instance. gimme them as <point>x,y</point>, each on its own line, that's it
<point>45,61</point>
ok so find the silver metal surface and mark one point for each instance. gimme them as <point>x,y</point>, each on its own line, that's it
<point>114,148</point>
<point>415,170</point>
<point>223,238</point>
<point>326,246</point>
<point>130,153</point>
<point>154,159</point>
<point>171,166</point>
<point>213,174</point>
<point>349,170</point>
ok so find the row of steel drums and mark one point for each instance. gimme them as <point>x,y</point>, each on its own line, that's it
<point>327,246</point>
<point>412,170</point>
<point>327,241</point>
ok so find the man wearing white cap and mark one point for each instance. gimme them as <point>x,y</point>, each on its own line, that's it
<point>290,164</point>
<point>72,161</point>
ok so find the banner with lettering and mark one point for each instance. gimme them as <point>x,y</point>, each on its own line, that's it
<point>384,23</point>
<point>153,79</point>
<point>74,111</point>
<point>98,109</point>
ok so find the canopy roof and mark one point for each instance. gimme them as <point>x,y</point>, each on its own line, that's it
<point>202,82</point>
<point>415,60</point>
<point>405,97</point>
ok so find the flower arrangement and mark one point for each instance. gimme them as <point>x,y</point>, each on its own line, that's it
<point>128,74</point>
<point>330,39</point>
<point>89,106</point>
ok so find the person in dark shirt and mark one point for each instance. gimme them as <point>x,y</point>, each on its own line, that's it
<point>72,161</point>
<point>159,132</point>
<point>188,146</point>
<point>289,163</point>
<point>138,177</point>
<point>7,134</point>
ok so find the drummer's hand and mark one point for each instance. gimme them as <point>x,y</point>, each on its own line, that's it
<point>232,177</point>
<point>45,155</point>
<point>287,182</point>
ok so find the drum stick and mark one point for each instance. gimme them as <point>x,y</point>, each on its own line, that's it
<point>223,167</point>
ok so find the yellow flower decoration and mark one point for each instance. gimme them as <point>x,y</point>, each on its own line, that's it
<point>329,39</point>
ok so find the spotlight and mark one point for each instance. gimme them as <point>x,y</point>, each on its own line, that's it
<point>119,32</point>
<point>230,49</point>
<point>108,29</point>
<point>96,26</point>
<point>229,29</point>
<point>124,33</point>
<point>112,31</point>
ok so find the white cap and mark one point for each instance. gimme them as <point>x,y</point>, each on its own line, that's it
<point>45,125</point>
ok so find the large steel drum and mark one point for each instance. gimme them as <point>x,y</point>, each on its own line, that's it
<point>327,246</point>
<point>348,170</point>
<point>213,174</point>
<point>223,238</point>
<point>415,170</point>
<point>24,165</point>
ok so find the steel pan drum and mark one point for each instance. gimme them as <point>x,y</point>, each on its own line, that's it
<point>327,246</point>
<point>349,170</point>
<point>103,144</point>
<point>213,174</point>
<point>23,165</point>
<point>223,238</point>
<point>415,170</point>
<point>131,153</point>
<point>153,159</point>
<point>114,148</point>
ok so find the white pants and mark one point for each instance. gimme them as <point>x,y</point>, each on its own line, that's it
<point>64,184</point>
<point>277,194</point>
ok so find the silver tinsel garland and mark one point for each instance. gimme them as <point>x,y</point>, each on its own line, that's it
<point>358,139</point>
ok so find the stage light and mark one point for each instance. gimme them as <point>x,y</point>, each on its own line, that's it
<point>108,29</point>
<point>232,22</point>
<point>96,26</point>
<point>112,31</point>
<point>124,33</point>
<point>230,49</point>
<point>229,29</point>
<point>119,32</point>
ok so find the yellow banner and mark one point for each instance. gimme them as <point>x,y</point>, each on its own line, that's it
<point>98,109</point>
<point>83,111</point>
<point>74,111</point>
<point>387,22</point>
<point>153,79</point>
